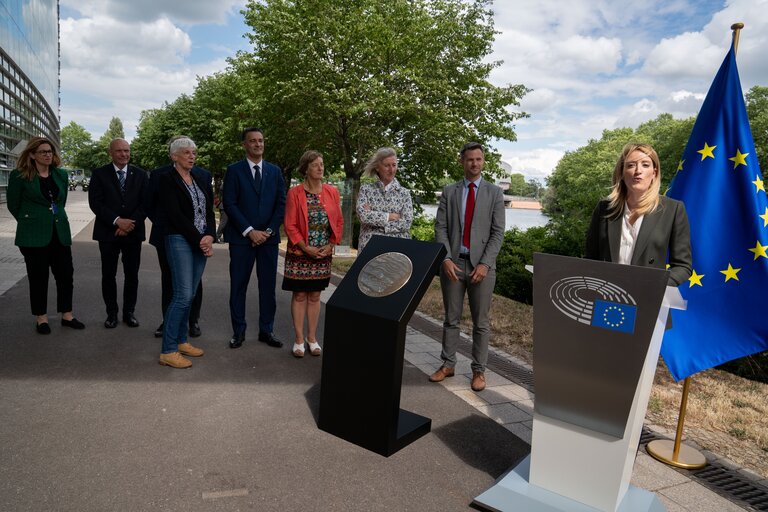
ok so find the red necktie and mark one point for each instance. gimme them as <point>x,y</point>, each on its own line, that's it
<point>469,210</point>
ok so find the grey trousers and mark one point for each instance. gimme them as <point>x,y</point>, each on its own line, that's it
<point>480,295</point>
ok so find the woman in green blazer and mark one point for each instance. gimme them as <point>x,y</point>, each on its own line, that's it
<point>37,194</point>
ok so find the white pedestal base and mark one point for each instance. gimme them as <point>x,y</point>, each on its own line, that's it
<point>513,492</point>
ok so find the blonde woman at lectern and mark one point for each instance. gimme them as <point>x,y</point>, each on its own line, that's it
<point>635,225</point>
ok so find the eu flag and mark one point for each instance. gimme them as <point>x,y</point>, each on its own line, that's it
<point>614,316</point>
<point>719,181</point>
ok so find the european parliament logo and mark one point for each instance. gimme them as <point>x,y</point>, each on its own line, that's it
<point>595,302</point>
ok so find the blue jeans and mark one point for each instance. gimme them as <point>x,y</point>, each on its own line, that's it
<point>187,264</point>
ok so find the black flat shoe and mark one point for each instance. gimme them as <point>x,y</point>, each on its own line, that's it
<point>194,330</point>
<point>159,330</point>
<point>43,328</point>
<point>110,322</point>
<point>74,323</point>
<point>236,341</point>
<point>130,320</point>
<point>270,340</point>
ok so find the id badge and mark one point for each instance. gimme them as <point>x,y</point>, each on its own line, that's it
<point>54,208</point>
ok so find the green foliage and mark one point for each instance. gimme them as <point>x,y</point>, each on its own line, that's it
<point>512,279</point>
<point>213,116</point>
<point>423,228</point>
<point>754,367</point>
<point>79,151</point>
<point>757,110</point>
<point>347,78</point>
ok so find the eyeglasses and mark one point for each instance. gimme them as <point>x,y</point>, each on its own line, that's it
<point>44,152</point>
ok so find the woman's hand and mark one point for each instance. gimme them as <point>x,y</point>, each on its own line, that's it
<point>394,216</point>
<point>206,245</point>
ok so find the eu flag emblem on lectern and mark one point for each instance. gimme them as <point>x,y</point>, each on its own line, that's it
<point>720,182</point>
<point>614,316</point>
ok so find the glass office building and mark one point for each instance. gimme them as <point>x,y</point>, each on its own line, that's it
<point>29,76</point>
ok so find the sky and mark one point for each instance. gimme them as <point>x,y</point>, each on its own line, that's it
<point>591,65</point>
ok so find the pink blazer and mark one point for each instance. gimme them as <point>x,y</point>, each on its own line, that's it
<point>296,218</point>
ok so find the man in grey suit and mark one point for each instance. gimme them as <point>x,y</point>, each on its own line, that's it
<point>470,224</point>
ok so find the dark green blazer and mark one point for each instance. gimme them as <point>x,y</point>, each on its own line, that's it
<point>664,237</point>
<point>33,213</point>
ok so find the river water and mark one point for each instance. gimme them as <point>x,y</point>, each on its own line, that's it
<point>515,217</point>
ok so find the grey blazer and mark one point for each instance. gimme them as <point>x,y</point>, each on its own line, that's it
<point>488,220</point>
<point>663,232</point>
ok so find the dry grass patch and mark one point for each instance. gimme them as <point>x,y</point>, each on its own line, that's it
<point>726,413</point>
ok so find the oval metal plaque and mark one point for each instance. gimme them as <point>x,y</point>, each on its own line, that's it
<point>385,274</point>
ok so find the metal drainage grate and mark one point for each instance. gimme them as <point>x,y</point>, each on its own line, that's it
<point>724,481</point>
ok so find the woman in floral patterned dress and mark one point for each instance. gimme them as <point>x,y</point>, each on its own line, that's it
<point>313,224</point>
<point>384,207</point>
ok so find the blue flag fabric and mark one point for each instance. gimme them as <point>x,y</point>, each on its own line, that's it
<point>614,316</point>
<point>720,182</point>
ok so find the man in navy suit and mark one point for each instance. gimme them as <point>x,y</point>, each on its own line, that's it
<point>254,200</point>
<point>156,213</point>
<point>116,195</point>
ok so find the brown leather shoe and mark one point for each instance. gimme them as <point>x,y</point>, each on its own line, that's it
<point>187,349</point>
<point>175,360</point>
<point>441,374</point>
<point>478,381</point>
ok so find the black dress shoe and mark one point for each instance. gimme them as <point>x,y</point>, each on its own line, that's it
<point>236,341</point>
<point>270,340</point>
<point>74,323</point>
<point>194,330</point>
<point>43,328</point>
<point>159,330</point>
<point>110,322</point>
<point>130,320</point>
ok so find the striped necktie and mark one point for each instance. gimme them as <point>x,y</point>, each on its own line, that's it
<point>121,179</point>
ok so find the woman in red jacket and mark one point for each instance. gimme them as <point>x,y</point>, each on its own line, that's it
<point>313,224</point>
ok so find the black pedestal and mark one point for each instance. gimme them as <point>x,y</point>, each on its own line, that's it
<point>363,352</point>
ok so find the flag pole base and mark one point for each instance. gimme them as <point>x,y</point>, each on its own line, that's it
<point>688,458</point>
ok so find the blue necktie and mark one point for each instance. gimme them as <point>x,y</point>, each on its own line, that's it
<point>121,179</point>
<point>257,177</point>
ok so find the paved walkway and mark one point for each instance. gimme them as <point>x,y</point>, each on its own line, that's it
<point>99,426</point>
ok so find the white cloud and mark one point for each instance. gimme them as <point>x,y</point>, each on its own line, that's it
<point>137,11</point>
<point>120,66</point>
<point>533,164</point>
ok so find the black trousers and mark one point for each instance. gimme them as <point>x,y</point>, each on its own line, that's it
<point>167,287</point>
<point>57,258</point>
<point>131,257</point>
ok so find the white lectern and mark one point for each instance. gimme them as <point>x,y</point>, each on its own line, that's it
<point>585,436</point>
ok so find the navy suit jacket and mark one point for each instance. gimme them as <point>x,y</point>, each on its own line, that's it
<point>153,202</point>
<point>663,232</point>
<point>108,203</point>
<point>246,205</point>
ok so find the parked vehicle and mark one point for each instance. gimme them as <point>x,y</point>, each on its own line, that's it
<point>85,182</point>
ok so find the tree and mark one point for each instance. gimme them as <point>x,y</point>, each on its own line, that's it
<point>757,110</point>
<point>212,116</point>
<point>75,139</point>
<point>348,77</point>
<point>114,131</point>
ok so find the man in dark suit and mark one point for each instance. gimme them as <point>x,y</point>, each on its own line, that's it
<point>116,195</point>
<point>254,200</point>
<point>470,224</point>
<point>156,213</point>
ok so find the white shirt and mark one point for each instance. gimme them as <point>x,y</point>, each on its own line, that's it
<point>254,167</point>
<point>628,236</point>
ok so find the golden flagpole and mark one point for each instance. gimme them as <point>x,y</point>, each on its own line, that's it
<point>673,452</point>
